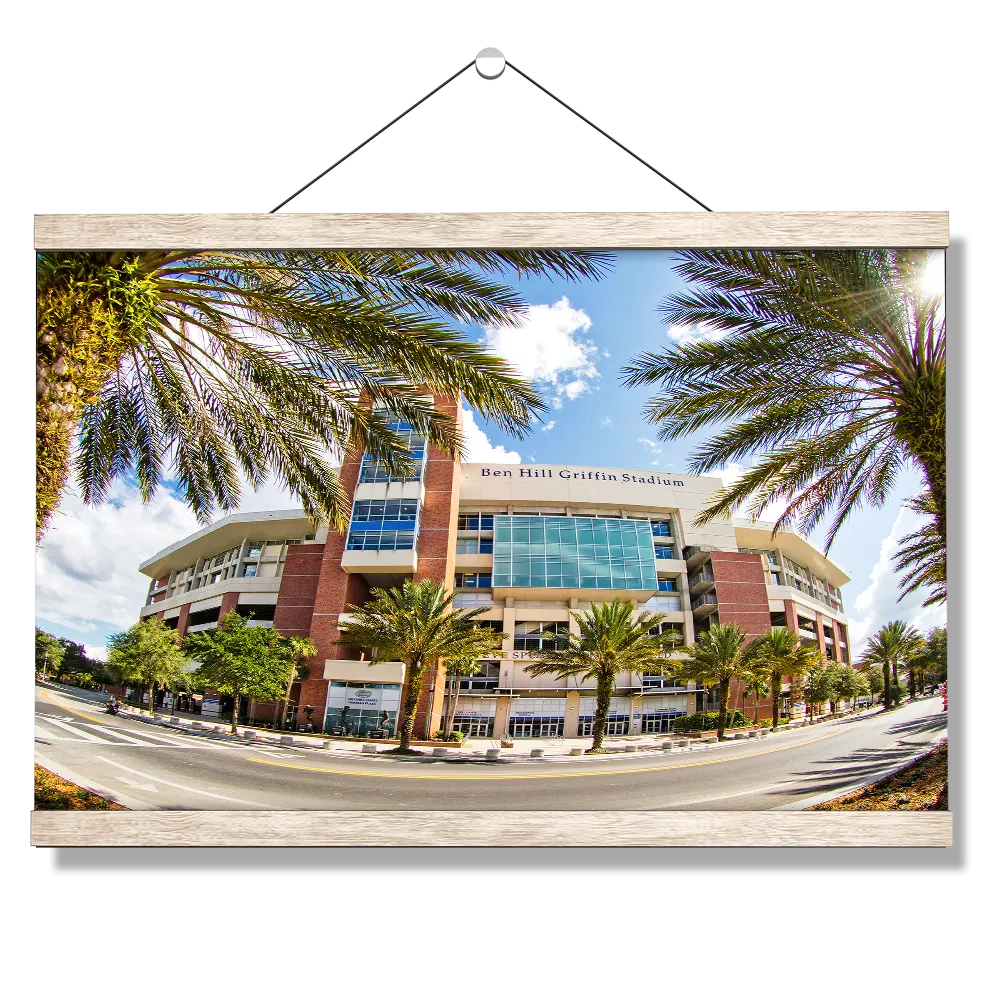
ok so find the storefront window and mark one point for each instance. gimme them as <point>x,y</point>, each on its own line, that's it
<point>361,709</point>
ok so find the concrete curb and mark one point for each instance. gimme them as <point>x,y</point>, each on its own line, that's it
<point>105,793</point>
<point>251,738</point>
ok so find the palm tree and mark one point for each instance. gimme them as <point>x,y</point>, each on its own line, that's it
<point>780,653</point>
<point>300,649</point>
<point>757,683</point>
<point>879,652</point>
<point>614,639</point>
<point>829,366</point>
<point>454,670</point>
<point>892,643</point>
<point>197,367</point>
<point>718,657</point>
<point>417,625</point>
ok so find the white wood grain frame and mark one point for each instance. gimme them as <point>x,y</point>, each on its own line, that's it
<point>491,829</point>
<point>563,229</point>
<point>527,828</point>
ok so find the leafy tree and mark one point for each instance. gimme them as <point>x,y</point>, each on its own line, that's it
<point>876,683</point>
<point>299,648</point>
<point>781,654</point>
<point>930,664</point>
<point>614,639</point>
<point>846,683</point>
<point>863,687</point>
<point>147,654</point>
<point>818,687</point>
<point>416,625</point>
<point>829,368</point>
<point>49,652</point>
<point>718,657</point>
<point>193,367</point>
<point>242,660</point>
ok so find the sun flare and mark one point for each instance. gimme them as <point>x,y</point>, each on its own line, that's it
<point>932,282</point>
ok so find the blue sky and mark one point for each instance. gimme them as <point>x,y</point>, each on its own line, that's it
<point>575,339</point>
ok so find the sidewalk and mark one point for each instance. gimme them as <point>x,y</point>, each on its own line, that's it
<point>475,749</point>
<point>472,750</point>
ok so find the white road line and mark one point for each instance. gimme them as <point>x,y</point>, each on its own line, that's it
<point>89,737</point>
<point>44,734</point>
<point>183,788</point>
<point>120,734</point>
<point>167,741</point>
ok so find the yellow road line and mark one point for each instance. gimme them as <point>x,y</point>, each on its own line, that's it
<point>530,777</point>
<point>59,704</point>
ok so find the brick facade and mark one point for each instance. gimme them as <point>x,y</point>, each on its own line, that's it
<point>436,554</point>
<point>293,609</point>
<point>335,589</point>
<point>742,590</point>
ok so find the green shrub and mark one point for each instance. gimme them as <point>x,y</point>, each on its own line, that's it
<point>455,737</point>
<point>710,721</point>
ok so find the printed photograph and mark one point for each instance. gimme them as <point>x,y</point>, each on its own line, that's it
<point>491,530</point>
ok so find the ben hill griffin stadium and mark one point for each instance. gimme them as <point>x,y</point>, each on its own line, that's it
<point>527,544</point>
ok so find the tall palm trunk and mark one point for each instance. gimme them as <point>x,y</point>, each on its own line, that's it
<point>453,689</point>
<point>288,697</point>
<point>723,707</point>
<point>775,701</point>
<point>414,678</point>
<point>79,344</point>
<point>913,683</point>
<point>453,708</point>
<point>605,689</point>
<point>886,686</point>
<point>895,681</point>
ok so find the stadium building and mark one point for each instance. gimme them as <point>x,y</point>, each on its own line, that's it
<point>528,545</point>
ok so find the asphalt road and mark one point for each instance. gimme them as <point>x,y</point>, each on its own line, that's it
<point>150,767</point>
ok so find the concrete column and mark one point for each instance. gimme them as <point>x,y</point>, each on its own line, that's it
<point>500,723</point>
<point>820,634</point>
<point>572,722</point>
<point>182,619</point>
<point>508,627</point>
<point>635,715</point>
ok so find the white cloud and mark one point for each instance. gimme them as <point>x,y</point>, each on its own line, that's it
<point>548,347</point>
<point>684,334</point>
<point>477,447</point>
<point>654,448</point>
<point>576,388</point>
<point>96,652</point>
<point>877,604</point>
<point>549,426</point>
<point>87,568</point>
<point>606,422</point>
